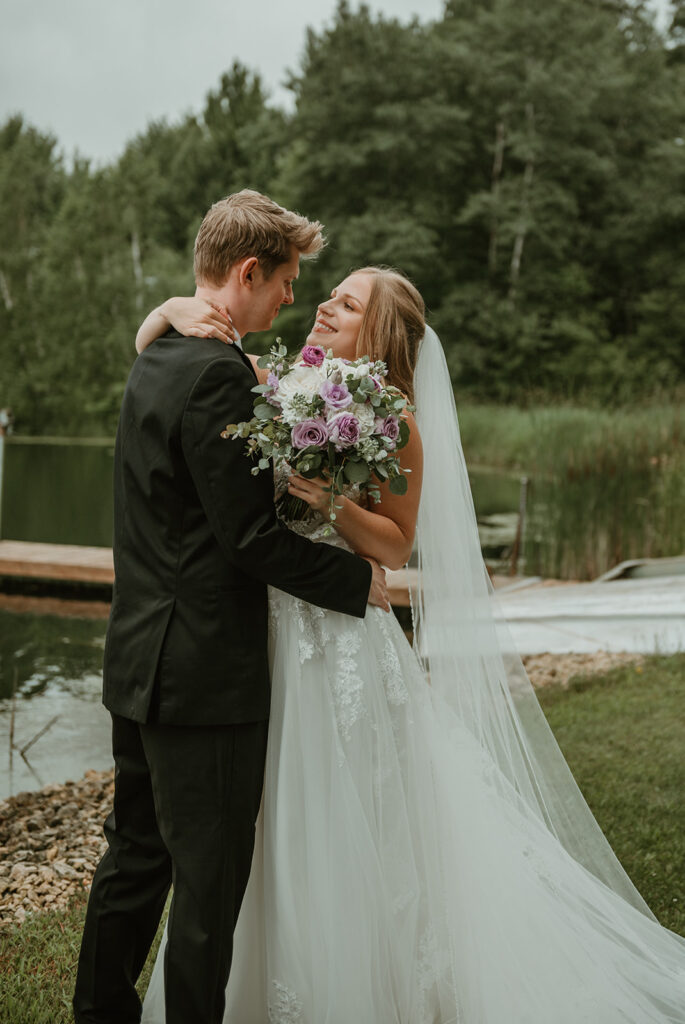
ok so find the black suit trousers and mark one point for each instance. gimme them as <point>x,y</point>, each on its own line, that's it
<point>185,804</point>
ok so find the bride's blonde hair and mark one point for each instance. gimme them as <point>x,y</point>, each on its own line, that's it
<point>393,325</point>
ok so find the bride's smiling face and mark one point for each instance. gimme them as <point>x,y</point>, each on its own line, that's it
<point>339,318</point>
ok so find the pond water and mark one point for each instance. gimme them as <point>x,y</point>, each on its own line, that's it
<point>58,493</point>
<point>51,658</point>
<point>50,676</point>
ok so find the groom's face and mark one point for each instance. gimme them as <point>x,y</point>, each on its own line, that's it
<point>270,293</point>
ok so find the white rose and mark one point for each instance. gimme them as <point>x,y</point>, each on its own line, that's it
<point>366,416</point>
<point>360,371</point>
<point>302,380</point>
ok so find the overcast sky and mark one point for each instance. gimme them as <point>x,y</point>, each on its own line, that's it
<point>95,72</point>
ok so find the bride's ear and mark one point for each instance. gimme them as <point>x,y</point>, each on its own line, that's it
<point>246,271</point>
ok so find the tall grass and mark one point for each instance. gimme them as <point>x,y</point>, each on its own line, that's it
<point>606,485</point>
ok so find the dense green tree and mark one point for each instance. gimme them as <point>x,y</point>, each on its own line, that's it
<point>32,187</point>
<point>524,163</point>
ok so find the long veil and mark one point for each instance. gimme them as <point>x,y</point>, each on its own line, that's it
<point>467,649</point>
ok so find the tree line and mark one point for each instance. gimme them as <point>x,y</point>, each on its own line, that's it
<point>523,162</point>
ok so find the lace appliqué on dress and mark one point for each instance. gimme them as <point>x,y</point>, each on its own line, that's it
<point>431,969</point>
<point>285,1008</point>
<point>391,669</point>
<point>348,686</point>
<point>311,623</point>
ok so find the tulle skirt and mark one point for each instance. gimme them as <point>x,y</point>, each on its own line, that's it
<point>397,879</point>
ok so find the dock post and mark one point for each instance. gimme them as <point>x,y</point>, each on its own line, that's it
<point>6,421</point>
<point>2,467</point>
<point>517,552</point>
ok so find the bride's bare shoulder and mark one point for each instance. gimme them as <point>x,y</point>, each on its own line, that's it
<point>261,374</point>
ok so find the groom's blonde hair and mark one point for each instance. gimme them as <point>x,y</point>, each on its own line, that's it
<point>247,224</point>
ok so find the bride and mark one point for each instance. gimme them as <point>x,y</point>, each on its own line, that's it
<point>424,855</point>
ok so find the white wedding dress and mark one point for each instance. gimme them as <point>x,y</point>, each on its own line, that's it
<point>400,876</point>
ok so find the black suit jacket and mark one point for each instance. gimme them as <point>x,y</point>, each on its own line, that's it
<point>196,541</point>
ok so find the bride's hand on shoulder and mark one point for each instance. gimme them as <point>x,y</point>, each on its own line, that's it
<point>189,315</point>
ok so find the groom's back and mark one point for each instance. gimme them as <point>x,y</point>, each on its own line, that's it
<point>161,532</point>
<point>174,598</point>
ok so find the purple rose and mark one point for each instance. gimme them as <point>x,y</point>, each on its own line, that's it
<point>388,427</point>
<point>343,430</point>
<point>310,433</point>
<point>313,355</point>
<point>336,396</point>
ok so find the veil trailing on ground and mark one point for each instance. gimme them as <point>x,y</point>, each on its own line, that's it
<point>466,647</point>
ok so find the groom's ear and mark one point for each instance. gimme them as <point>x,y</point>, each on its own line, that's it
<point>246,271</point>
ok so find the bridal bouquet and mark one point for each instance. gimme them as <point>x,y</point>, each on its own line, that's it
<point>326,417</point>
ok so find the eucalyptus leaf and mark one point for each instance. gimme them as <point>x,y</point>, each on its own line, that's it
<point>357,472</point>
<point>398,485</point>
<point>266,411</point>
<point>404,434</point>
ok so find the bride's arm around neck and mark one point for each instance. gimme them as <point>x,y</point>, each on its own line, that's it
<point>191,315</point>
<point>384,531</point>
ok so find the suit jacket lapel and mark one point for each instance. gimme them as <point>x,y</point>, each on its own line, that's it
<point>245,359</point>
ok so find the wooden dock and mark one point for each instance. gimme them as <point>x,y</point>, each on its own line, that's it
<point>56,562</point>
<point>400,581</point>
<point>74,564</point>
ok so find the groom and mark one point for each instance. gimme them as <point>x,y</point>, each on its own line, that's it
<point>186,674</point>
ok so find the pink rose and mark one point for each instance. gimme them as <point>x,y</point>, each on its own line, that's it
<point>336,396</point>
<point>390,428</point>
<point>313,355</point>
<point>310,433</point>
<point>344,430</point>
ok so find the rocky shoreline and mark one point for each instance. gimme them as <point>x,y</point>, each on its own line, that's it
<point>50,843</point>
<point>51,840</point>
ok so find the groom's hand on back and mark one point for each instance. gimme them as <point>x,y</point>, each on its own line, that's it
<point>378,594</point>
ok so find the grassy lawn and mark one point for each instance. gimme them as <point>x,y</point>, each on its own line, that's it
<point>38,966</point>
<point>624,737</point>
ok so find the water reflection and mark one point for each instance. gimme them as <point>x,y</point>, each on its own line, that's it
<point>41,653</point>
<point>50,678</point>
<point>58,493</point>
<point>61,493</point>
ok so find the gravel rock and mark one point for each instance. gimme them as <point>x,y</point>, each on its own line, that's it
<point>558,669</point>
<point>50,844</point>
